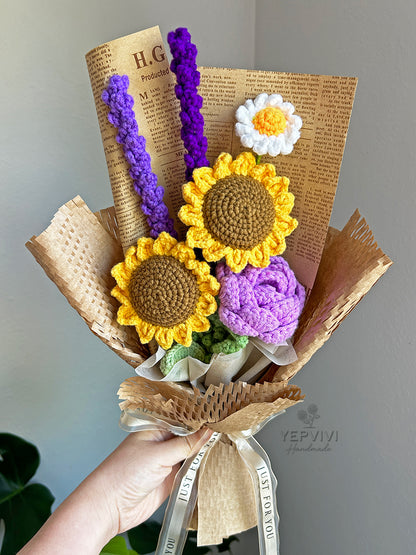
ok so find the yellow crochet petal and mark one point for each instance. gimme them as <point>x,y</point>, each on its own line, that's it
<point>183,334</point>
<point>130,259</point>
<point>144,248</point>
<point>199,323</point>
<point>204,270</point>
<point>127,316</point>
<point>262,171</point>
<point>121,274</point>
<point>164,244</point>
<point>210,286</point>
<point>203,179</point>
<point>237,260</point>
<point>183,253</point>
<point>208,283</point>
<point>120,294</point>
<point>284,204</point>
<point>276,185</point>
<point>164,337</point>
<point>192,194</point>
<point>284,223</point>
<point>190,215</point>
<point>243,164</point>
<point>260,256</point>
<point>214,250</point>
<point>197,237</point>
<point>206,305</point>
<point>276,242</point>
<point>145,331</point>
<point>222,166</point>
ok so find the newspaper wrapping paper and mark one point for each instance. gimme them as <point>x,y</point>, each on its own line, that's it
<point>323,102</point>
<point>185,489</point>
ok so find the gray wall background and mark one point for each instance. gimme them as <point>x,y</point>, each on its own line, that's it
<point>59,383</point>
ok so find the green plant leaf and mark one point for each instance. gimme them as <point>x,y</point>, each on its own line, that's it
<point>143,538</point>
<point>117,546</point>
<point>19,461</point>
<point>24,508</point>
<point>23,515</point>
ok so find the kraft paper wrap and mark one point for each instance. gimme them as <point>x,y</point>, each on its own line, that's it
<point>77,252</point>
<point>351,264</point>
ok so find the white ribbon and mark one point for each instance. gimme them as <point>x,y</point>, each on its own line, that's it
<point>184,493</point>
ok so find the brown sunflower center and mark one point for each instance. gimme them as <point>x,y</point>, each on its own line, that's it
<point>239,212</point>
<point>163,291</point>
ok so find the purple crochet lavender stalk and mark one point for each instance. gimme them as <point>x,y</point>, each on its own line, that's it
<point>261,302</point>
<point>122,116</point>
<point>188,77</point>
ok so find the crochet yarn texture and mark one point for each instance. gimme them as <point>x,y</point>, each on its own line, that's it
<point>178,352</point>
<point>188,77</point>
<point>220,339</point>
<point>261,302</point>
<point>268,125</point>
<point>164,291</point>
<point>121,115</point>
<point>238,210</point>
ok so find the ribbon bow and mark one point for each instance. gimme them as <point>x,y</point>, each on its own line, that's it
<point>185,488</point>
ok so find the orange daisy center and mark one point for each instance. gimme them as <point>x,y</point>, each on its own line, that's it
<point>270,121</point>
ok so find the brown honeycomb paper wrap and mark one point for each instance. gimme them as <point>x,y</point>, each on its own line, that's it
<point>351,264</point>
<point>77,252</point>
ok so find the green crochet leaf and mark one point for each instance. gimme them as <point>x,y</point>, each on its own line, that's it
<point>178,352</point>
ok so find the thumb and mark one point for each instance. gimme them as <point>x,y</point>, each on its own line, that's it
<point>179,448</point>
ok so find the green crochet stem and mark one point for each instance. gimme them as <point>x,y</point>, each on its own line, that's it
<point>218,339</point>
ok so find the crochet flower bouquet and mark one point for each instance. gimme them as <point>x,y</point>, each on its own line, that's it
<point>215,323</point>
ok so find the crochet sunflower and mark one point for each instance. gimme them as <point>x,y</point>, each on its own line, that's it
<point>164,291</point>
<point>238,210</point>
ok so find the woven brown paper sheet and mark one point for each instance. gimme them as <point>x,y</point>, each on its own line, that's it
<point>351,264</point>
<point>77,252</point>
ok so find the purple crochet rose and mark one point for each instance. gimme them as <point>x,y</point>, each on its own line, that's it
<point>261,302</point>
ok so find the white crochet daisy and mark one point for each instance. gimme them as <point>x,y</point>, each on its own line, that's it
<point>268,125</point>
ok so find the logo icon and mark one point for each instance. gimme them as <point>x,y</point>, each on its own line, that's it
<point>309,438</point>
<point>309,415</point>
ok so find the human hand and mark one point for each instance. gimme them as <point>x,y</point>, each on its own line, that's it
<point>138,476</point>
<point>121,493</point>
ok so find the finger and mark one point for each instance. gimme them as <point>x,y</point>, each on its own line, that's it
<point>151,503</point>
<point>179,448</point>
<point>148,435</point>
